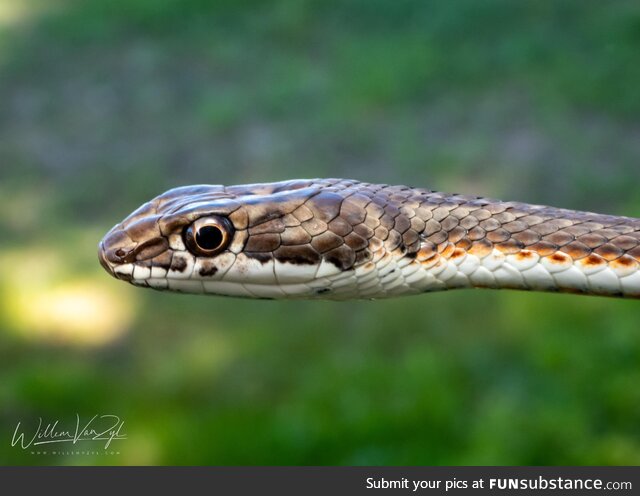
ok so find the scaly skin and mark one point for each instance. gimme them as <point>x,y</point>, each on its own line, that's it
<point>343,239</point>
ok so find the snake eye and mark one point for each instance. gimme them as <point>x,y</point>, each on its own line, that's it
<point>208,236</point>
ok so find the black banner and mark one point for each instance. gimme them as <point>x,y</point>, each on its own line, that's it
<point>325,480</point>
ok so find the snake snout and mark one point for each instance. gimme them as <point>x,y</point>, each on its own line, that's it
<point>106,261</point>
<point>114,250</point>
<point>117,248</point>
<point>101,257</point>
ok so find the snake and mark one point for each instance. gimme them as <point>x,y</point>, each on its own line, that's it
<point>343,239</point>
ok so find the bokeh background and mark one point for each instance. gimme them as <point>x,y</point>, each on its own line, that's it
<point>106,103</point>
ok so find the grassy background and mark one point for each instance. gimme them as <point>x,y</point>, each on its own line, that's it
<point>106,103</point>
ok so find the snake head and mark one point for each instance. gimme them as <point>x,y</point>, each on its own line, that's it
<point>273,240</point>
<point>148,238</point>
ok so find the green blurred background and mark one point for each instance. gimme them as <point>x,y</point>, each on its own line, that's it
<point>106,103</point>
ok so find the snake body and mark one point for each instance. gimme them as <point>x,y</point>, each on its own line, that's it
<point>343,239</point>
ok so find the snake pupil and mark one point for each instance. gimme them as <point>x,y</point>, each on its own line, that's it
<point>209,237</point>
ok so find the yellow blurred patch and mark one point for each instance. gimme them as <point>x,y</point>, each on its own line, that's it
<point>40,304</point>
<point>14,11</point>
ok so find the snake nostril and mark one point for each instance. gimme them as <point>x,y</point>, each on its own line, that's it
<point>120,253</point>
